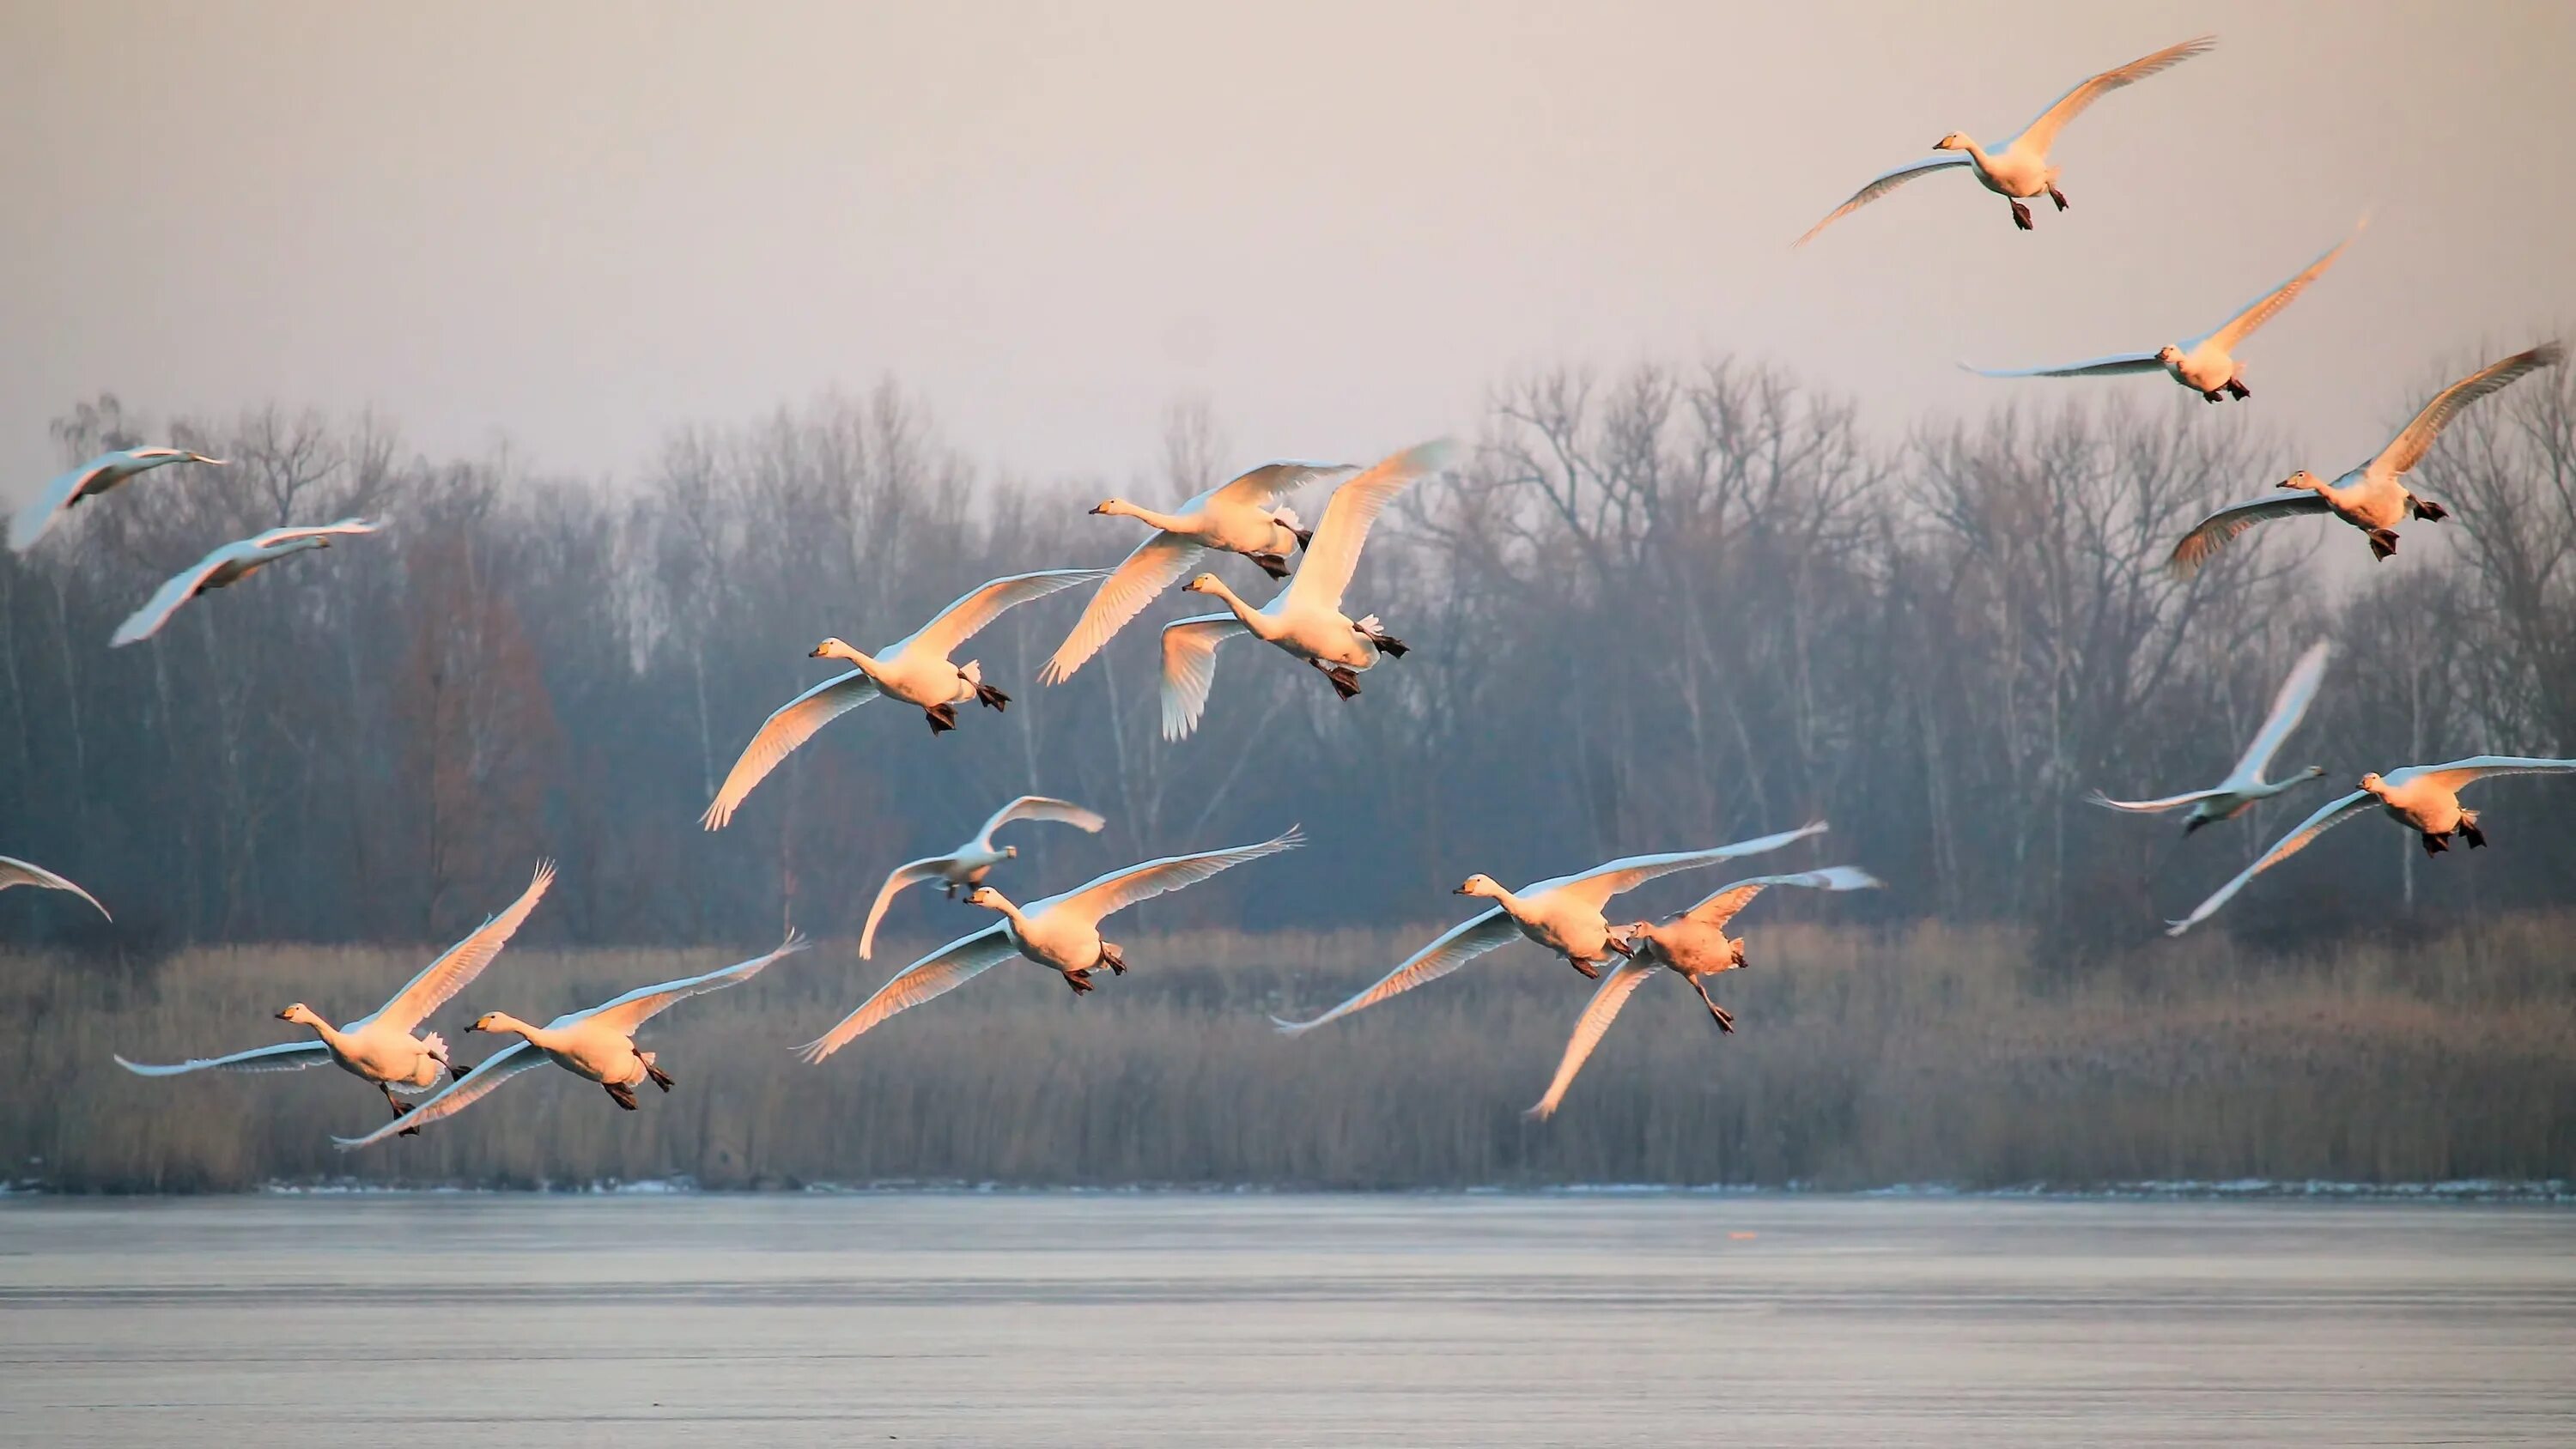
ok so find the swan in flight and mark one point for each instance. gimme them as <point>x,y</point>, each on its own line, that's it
<point>1305,620</point>
<point>16,872</point>
<point>915,669</point>
<point>1693,945</point>
<point>2244,785</point>
<point>88,481</point>
<point>1242,517</point>
<point>1060,932</point>
<point>381,1047</point>
<point>230,565</point>
<point>2423,798</point>
<point>967,865</point>
<point>1563,914</point>
<point>2206,364</point>
<point>2370,497</point>
<point>2018,169</point>
<point>596,1045</point>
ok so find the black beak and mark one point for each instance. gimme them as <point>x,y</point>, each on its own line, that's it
<point>282,1016</point>
<point>1095,511</point>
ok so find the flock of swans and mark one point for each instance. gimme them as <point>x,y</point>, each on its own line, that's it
<point>1305,619</point>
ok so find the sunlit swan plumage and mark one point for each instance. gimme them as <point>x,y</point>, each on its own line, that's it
<point>597,1045</point>
<point>1563,914</point>
<point>16,872</point>
<point>1694,946</point>
<point>1242,516</point>
<point>2423,798</point>
<point>88,481</point>
<point>1305,619</point>
<point>381,1047</point>
<point>2018,169</point>
<point>915,669</point>
<point>229,565</point>
<point>965,867</point>
<point>1059,932</point>
<point>2372,497</point>
<point>2245,784</point>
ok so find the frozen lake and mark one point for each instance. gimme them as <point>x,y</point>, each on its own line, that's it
<point>1182,1319</point>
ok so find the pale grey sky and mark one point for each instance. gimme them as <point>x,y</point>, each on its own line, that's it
<point>576,225</point>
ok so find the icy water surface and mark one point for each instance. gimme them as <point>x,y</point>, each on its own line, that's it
<point>1117,1319</point>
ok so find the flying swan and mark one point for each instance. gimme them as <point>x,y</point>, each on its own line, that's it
<point>1061,933</point>
<point>915,669</point>
<point>597,1045</point>
<point>2244,785</point>
<point>1305,619</point>
<point>88,481</point>
<point>381,1048</point>
<point>2019,168</point>
<point>16,872</point>
<point>967,865</point>
<point>1563,914</point>
<point>2370,497</point>
<point>229,565</point>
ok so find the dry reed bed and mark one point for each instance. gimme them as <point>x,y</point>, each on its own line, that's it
<point>1864,1058</point>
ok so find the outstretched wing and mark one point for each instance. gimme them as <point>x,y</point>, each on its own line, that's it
<point>2411,445</point>
<point>2459,773</point>
<point>909,874</point>
<point>1596,886</point>
<point>1617,984</point>
<point>966,618</point>
<point>2041,133</point>
<point>1153,568</point>
<point>457,1095</point>
<point>286,1056</point>
<point>1189,667</point>
<point>340,529</point>
<point>2153,807</point>
<point>2328,816</point>
<point>936,974</point>
<point>1882,184</point>
<point>1041,807</point>
<point>1264,486</point>
<point>2116,363</point>
<point>626,1013</point>
<point>16,872</point>
<point>178,589</point>
<point>1455,947</point>
<point>793,724</point>
<point>1120,889</point>
<point>465,960</point>
<point>1721,905</point>
<point>1335,553</point>
<point>2259,311</point>
<point>2288,704</point>
<point>2212,533</point>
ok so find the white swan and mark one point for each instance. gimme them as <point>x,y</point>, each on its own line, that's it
<point>2206,364</point>
<point>229,565</point>
<point>1562,913</point>
<point>2244,785</point>
<point>16,872</point>
<point>596,1045</point>
<point>968,864</point>
<point>1059,932</point>
<point>2423,798</point>
<point>381,1047</point>
<point>88,481</point>
<point>1305,619</point>
<point>915,669</point>
<point>1242,517</point>
<point>1694,946</point>
<point>2019,168</point>
<point>2371,497</point>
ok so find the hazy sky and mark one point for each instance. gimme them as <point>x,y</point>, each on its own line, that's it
<point>575,226</point>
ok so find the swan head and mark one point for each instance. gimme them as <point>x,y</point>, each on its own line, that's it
<point>2303,481</point>
<point>2372,784</point>
<point>2169,355</point>
<point>202,458</point>
<point>1955,141</point>
<point>1479,884</point>
<point>1115,508</point>
<point>2313,772</point>
<point>834,649</point>
<point>1204,584</point>
<point>1010,852</point>
<point>488,1021</point>
<point>301,1015</point>
<point>987,897</point>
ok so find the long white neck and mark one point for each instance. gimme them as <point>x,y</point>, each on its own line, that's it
<point>1234,602</point>
<point>1168,522</point>
<point>1019,922</point>
<point>503,1022</point>
<point>866,665</point>
<point>1512,905</point>
<point>1977,154</point>
<point>330,1035</point>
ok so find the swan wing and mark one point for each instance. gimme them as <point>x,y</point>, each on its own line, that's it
<point>2328,816</point>
<point>1883,183</point>
<point>2458,773</point>
<point>2154,807</point>
<point>2113,365</point>
<point>2259,311</point>
<point>794,723</point>
<point>1189,667</point>
<point>1335,552</point>
<point>1617,985</point>
<point>1596,886</point>
<point>2411,445</point>
<point>2041,133</point>
<point>936,974</point>
<point>1264,486</point>
<point>2288,705</point>
<point>1721,905</point>
<point>16,872</point>
<point>462,962</point>
<point>1120,889</point>
<point>1041,807</point>
<point>1152,569</point>
<point>286,1056</point>
<point>457,1095</point>
<point>178,589</point>
<point>43,511</point>
<point>905,876</point>
<point>342,528</point>
<point>2209,535</point>
<point>1455,947</point>
<point>966,618</point>
<point>626,1013</point>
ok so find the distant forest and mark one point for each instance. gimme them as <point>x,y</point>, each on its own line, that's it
<point>1651,611</point>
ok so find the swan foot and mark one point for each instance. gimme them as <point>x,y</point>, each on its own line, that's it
<point>2470,832</point>
<point>2429,512</point>
<point>622,1096</point>
<point>1588,970</point>
<point>1724,1018</point>
<point>1389,645</point>
<point>1080,981</point>
<point>661,1078</point>
<point>941,719</point>
<point>2021,216</point>
<point>1113,958</point>
<point>401,1109</point>
<point>949,890</point>
<point>991,698</point>
<point>455,1073</point>
<point>2237,389</point>
<point>1305,538</point>
<point>2057,196</point>
<point>1621,945</point>
<point>2210,396</point>
<point>2435,844</point>
<point>1345,683</point>
<point>1271,564</point>
<point>2383,542</point>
